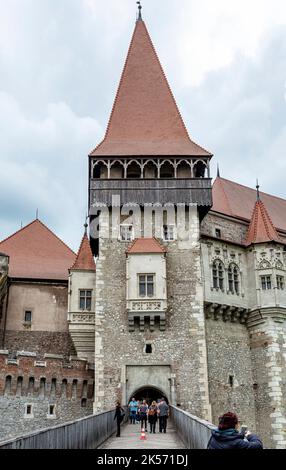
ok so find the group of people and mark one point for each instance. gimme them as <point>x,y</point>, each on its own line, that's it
<point>141,412</point>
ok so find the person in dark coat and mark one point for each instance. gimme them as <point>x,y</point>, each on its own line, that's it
<point>119,415</point>
<point>227,436</point>
<point>153,416</point>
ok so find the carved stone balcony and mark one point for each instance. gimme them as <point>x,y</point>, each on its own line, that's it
<point>147,314</point>
<point>81,328</point>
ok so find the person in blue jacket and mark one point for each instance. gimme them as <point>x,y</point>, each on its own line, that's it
<point>227,435</point>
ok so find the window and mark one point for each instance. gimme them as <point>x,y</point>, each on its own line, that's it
<point>126,233</point>
<point>266,282</point>
<point>280,282</point>
<point>28,316</point>
<point>29,411</point>
<point>231,380</point>
<point>148,349</point>
<point>52,410</point>
<point>146,285</point>
<point>233,279</point>
<point>169,232</point>
<point>85,299</point>
<point>218,275</point>
<point>218,233</point>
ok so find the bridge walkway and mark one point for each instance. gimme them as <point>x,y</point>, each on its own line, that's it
<point>130,439</point>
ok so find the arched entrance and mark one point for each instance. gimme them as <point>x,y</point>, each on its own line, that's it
<point>149,394</point>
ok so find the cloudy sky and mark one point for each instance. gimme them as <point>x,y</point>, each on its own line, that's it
<point>60,64</point>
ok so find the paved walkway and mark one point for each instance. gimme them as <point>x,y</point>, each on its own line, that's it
<point>130,439</point>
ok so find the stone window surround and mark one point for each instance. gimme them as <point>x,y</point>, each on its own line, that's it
<point>146,284</point>
<point>49,414</point>
<point>168,238</point>
<point>28,310</point>
<point>120,233</point>
<point>31,414</point>
<point>266,280</point>
<point>80,291</point>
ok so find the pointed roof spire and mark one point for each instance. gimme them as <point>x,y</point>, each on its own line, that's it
<point>257,189</point>
<point>84,260</point>
<point>145,120</point>
<point>140,11</point>
<point>218,172</point>
<point>261,228</point>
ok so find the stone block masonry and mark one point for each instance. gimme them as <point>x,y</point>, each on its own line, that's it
<point>39,392</point>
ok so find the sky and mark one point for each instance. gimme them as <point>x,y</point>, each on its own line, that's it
<point>60,65</point>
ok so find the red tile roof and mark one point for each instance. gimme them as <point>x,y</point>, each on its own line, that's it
<point>145,119</point>
<point>37,253</point>
<point>237,201</point>
<point>261,228</point>
<point>146,245</point>
<point>84,260</point>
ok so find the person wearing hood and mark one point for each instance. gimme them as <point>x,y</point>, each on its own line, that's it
<point>227,435</point>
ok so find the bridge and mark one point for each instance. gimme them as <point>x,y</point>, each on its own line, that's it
<point>184,431</point>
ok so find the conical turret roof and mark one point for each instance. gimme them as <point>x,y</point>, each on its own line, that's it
<point>145,119</point>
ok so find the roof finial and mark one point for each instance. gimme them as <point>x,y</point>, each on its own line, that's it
<point>257,189</point>
<point>139,8</point>
<point>86,225</point>
<point>218,172</point>
<point>37,214</point>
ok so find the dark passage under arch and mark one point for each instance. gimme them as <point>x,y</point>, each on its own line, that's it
<point>149,394</point>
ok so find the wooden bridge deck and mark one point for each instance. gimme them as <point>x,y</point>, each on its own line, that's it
<point>130,439</point>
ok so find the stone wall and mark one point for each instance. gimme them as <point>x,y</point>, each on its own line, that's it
<point>232,230</point>
<point>230,371</point>
<point>40,342</point>
<point>181,346</point>
<point>48,303</point>
<point>29,380</point>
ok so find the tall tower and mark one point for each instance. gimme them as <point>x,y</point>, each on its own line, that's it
<point>151,185</point>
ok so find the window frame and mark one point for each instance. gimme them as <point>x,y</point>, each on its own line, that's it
<point>280,282</point>
<point>233,279</point>
<point>218,275</point>
<point>121,226</point>
<point>167,238</point>
<point>26,310</point>
<point>85,298</point>
<point>146,283</point>
<point>266,282</point>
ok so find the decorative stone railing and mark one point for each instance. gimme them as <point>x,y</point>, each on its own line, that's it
<point>81,317</point>
<point>147,305</point>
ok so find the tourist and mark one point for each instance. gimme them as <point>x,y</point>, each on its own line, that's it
<point>133,408</point>
<point>227,435</point>
<point>119,415</point>
<point>163,412</point>
<point>143,410</point>
<point>153,416</point>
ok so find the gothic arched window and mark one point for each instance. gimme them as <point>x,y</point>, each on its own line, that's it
<point>233,279</point>
<point>218,275</point>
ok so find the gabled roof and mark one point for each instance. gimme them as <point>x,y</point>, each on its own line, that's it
<point>146,245</point>
<point>261,228</point>
<point>37,253</point>
<point>84,260</point>
<point>236,200</point>
<point>145,119</point>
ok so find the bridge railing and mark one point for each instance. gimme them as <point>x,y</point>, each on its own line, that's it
<point>84,433</point>
<point>193,431</point>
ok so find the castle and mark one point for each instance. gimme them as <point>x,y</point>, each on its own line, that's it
<point>178,289</point>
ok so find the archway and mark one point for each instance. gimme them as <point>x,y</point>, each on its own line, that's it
<point>149,394</point>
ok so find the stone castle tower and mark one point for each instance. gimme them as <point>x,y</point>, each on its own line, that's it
<point>149,315</point>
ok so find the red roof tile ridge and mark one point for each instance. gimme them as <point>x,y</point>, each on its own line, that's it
<point>166,81</point>
<point>224,195</point>
<point>253,234</point>
<point>251,189</point>
<point>91,262</point>
<point>47,228</point>
<point>133,243</point>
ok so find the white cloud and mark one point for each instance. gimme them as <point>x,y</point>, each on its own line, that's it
<point>60,65</point>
